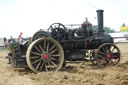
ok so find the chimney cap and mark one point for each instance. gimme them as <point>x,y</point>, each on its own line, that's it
<point>100,10</point>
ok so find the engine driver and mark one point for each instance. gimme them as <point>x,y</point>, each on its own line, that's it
<point>86,27</point>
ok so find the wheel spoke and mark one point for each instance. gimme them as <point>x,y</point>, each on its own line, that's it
<point>99,56</point>
<point>52,63</point>
<point>55,26</point>
<point>113,48</point>
<point>37,49</point>
<point>49,65</point>
<point>51,27</point>
<point>41,48</point>
<point>38,65</point>
<point>35,57</point>
<point>103,50</point>
<point>106,49</point>
<point>53,51</point>
<point>102,61</point>
<point>47,46</point>
<point>58,25</point>
<point>55,55</point>
<point>113,61</point>
<point>42,65</point>
<point>36,61</point>
<point>44,45</point>
<point>52,47</point>
<point>36,53</point>
<point>46,69</point>
<point>53,59</point>
<point>102,53</point>
<point>115,55</point>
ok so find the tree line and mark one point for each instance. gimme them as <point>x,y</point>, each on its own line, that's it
<point>107,30</point>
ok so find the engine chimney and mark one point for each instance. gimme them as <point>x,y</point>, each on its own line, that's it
<point>100,22</point>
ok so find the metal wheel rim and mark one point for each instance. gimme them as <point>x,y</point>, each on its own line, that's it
<point>40,34</point>
<point>36,59</point>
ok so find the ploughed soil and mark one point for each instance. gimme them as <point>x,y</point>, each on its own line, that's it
<point>73,74</point>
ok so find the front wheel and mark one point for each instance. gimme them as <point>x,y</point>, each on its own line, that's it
<point>108,54</point>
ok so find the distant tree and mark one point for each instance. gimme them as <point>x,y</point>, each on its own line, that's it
<point>95,28</point>
<point>106,29</point>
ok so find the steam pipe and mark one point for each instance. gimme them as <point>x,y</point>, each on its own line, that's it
<point>100,22</point>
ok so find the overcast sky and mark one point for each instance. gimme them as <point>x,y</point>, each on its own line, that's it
<point>28,16</point>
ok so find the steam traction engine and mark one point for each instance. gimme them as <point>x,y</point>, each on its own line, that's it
<point>49,51</point>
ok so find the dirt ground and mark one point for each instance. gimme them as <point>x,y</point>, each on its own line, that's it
<point>73,74</point>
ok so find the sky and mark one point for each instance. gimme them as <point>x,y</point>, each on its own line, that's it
<point>29,16</point>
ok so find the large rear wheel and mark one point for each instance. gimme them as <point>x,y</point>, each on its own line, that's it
<point>45,54</point>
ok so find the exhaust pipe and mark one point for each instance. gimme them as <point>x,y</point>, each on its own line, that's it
<point>100,22</point>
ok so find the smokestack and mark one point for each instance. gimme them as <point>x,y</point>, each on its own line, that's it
<point>100,21</point>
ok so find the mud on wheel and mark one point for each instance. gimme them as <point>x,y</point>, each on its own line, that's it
<point>108,54</point>
<point>45,54</point>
